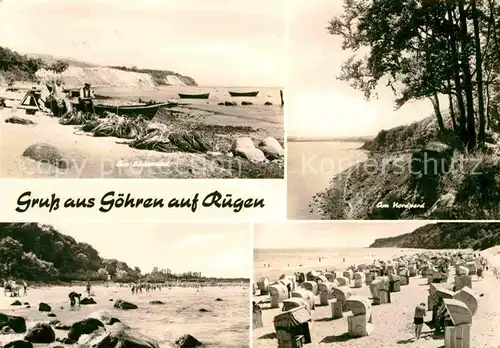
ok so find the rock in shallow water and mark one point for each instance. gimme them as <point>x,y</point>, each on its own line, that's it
<point>88,301</point>
<point>43,307</point>
<point>188,341</point>
<point>120,304</point>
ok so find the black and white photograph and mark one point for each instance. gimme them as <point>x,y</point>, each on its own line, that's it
<point>184,89</point>
<point>145,285</point>
<point>342,284</point>
<point>393,110</point>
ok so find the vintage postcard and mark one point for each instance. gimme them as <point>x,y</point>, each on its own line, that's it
<point>376,284</point>
<point>145,285</point>
<point>142,89</point>
<point>393,110</point>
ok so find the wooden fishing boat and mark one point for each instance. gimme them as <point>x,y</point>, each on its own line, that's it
<point>194,96</point>
<point>244,94</point>
<point>146,111</point>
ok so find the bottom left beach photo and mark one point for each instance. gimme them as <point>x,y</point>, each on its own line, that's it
<point>143,285</point>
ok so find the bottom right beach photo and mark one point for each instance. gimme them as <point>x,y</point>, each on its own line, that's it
<point>376,284</point>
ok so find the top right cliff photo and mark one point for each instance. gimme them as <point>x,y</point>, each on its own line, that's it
<point>393,109</point>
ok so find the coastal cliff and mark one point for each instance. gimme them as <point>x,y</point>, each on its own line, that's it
<point>15,68</point>
<point>477,236</point>
<point>413,172</point>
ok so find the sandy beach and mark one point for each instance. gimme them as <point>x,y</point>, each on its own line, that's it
<point>225,324</point>
<point>99,157</point>
<point>393,322</point>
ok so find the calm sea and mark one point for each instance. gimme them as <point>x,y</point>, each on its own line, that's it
<point>311,167</point>
<point>225,325</point>
<point>217,94</point>
<point>279,261</point>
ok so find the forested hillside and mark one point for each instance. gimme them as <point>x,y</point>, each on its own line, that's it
<point>40,253</point>
<point>477,236</point>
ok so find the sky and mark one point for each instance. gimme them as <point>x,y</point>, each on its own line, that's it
<point>219,250</point>
<point>332,234</point>
<point>217,42</point>
<point>317,104</point>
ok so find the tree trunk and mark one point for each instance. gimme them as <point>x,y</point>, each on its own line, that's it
<point>452,109</point>
<point>468,87</point>
<point>462,127</point>
<point>437,111</point>
<point>479,74</point>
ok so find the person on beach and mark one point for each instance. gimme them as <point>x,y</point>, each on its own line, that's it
<point>480,273</point>
<point>45,98</point>
<point>418,319</point>
<point>89,288</point>
<point>86,99</point>
<point>73,296</point>
<point>25,287</point>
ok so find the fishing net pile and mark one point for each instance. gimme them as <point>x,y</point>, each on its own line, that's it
<point>142,136</point>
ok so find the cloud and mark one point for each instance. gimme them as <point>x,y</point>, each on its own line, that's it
<point>196,240</point>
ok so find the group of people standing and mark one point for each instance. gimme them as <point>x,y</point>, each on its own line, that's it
<point>139,288</point>
<point>54,98</point>
<point>14,288</point>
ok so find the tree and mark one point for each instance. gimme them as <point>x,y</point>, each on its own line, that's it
<point>11,252</point>
<point>423,50</point>
<point>59,66</point>
<point>102,274</point>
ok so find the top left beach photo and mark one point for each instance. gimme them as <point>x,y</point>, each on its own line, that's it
<point>179,89</point>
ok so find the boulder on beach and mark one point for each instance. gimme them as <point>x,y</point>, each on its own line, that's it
<point>26,303</point>
<point>268,103</point>
<point>120,304</point>
<point>19,344</point>
<point>46,153</point>
<point>104,316</point>
<point>62,327</point>
<point>84,327</point>
<point>51,315</point>
<point>271,148</point>
<point>43,307</point>
<point>6,330</point>
<point>40,333</point>
<point>246,103</point>
<point>244,147</point>
<point>218,299</point>
<point>17,324</point>
<point>156,302</point>
<point>122,336</point>
<point>88,301</point>
<point>230,103</point>
<point>16,303</point>
<point>188,341</point>
<point>66,340</point>
<point>203,310</point>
